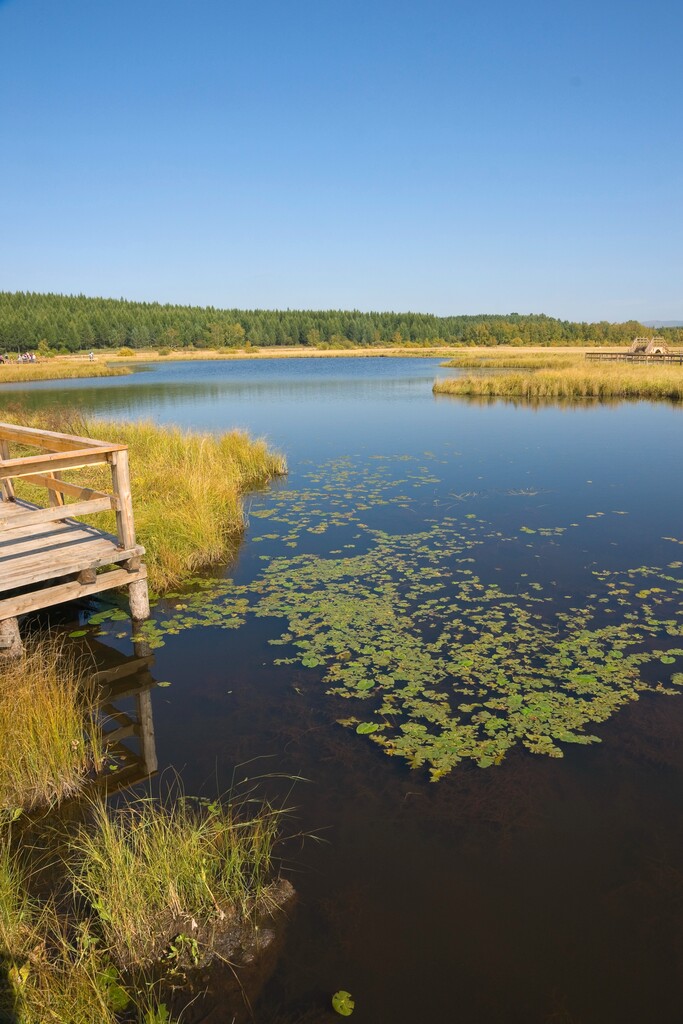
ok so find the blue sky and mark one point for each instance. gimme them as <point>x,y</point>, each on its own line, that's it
<point>447,157</point>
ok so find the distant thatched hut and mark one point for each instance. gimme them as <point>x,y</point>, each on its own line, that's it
<point>650,347</point>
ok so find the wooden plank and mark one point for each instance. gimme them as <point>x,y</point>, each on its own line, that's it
<point>35,568</point>
<point>49,538</point>
<point>58,512</point>
<point>23,539</point>
<point>82,530</point>
<point>53,483</point>
<point>50,463</point>
<point>12,508</point>
<point>23,603</point>
<point>50,439</point>
<point>633,357</point>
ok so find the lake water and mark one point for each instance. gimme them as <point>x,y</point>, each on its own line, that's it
<point>444,567</point>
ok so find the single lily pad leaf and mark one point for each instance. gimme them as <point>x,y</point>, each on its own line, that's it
<point>343,1003</point>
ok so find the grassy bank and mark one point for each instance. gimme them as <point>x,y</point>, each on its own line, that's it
<point>48,738</point>
<point>45,975</point>
<point>57,369</point>
<point>151,869</point>
<point>142,895</point>
<point>507,357</point>
<point>187,490</point>
<point>595,380</point>
<point>279,352</point>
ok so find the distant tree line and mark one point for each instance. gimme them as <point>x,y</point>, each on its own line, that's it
<point>29,321</point>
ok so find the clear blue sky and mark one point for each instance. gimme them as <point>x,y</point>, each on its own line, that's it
<point>447,157</point>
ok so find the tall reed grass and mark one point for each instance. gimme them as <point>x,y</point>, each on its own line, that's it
<point>49,973</point>
<point>187,492</point>
<point>595,380</point>
<point>187,489</point>
<point>49,739</point>
<point>153,869</point>
<point>13,373</point>
<point>514,358</point>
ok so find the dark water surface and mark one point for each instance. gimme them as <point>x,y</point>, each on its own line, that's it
<point>539,888</point>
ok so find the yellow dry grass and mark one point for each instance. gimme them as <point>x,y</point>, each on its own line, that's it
<point>589,380</point>
<point>56,369</point>
<point>187,489</point>
<point>48,734</point>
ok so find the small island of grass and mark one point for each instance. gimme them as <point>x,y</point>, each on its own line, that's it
<point>57,369</point>
<point>575,380</point>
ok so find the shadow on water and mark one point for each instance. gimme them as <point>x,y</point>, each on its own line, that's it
<point>9,1007</point>
<point>229,982</point>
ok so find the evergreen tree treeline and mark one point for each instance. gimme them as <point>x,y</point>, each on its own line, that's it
<point>72,322</point>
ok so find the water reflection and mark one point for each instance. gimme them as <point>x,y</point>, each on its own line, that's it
<point>125,706</point>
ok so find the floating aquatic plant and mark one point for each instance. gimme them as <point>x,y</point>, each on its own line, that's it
<point>440,663</point>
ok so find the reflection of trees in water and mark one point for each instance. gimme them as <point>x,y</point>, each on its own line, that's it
<point>117,395</point>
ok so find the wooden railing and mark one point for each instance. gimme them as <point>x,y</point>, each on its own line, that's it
<point>634,357</point>
<point>60,452</point>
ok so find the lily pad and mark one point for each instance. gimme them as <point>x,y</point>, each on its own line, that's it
<point>343,1003</point>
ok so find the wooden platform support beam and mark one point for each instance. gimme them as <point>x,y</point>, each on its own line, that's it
<point>48,545</point>
<point>72,591</point>
<point>10,639</point>
<point>138,597</point>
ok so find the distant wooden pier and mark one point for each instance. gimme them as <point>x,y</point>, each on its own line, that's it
<point>46,556</point>
<point>634,357</point>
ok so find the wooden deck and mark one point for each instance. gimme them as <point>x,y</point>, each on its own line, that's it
<point>634,357</point>
<point>46,556</point>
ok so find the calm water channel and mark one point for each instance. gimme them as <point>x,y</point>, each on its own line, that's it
<point>529,889</point>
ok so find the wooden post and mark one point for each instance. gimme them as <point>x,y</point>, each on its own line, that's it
<point>124,513</point>
<point>7,487</point>
<point>10,639</point>
<point>138,597</point>
<point>56,498</point>
<point>138,594</point>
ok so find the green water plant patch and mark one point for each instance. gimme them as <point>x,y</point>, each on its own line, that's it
<point>425,647</point>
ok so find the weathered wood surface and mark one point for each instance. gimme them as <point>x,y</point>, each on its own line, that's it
<point>51,440</point>
<point>41,551</point>
<point>46,556</point>
<point>55,513</point>
<point>10,641</point>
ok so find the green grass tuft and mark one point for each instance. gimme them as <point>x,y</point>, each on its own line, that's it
<point>187,489</point>
<point>589,380</point>
<point>152,868</point>
<point>48,735</point>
